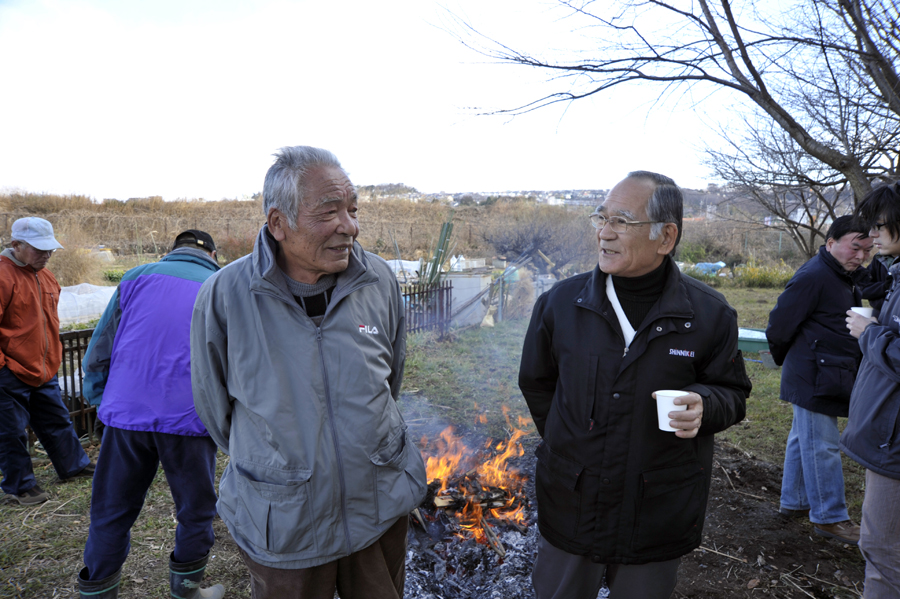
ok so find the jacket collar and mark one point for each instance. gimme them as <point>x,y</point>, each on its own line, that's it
<point>267,275</point>
<point>674,300</point>
<point>8,253</point>
<point>197,256</point>
<point>829,260</point>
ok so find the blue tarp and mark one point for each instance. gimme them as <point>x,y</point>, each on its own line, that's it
<point>709,268</point>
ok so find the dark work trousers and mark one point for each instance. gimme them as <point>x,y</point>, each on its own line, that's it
<point>376,572</point>
<point>41,407</point>
<point>561,575</point>
<point>125,469</point>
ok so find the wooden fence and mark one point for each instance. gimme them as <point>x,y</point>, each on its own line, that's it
<point>428,307</point>
<point>84,415</point>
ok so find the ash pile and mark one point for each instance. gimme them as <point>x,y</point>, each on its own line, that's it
<point>463,568</point>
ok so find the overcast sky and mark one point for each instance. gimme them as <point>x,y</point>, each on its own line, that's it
<point>190,98</point>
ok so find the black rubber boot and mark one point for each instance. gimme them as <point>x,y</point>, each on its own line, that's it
<point>108,588</point>
<point>184,580</point>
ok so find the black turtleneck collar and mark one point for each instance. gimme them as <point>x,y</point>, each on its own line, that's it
<point>638,294</point>
<point>651,283</point>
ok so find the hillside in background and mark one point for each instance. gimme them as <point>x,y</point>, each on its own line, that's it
<point>484,226</point>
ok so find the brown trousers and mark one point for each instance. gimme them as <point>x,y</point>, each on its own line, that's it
<point>376,572</point>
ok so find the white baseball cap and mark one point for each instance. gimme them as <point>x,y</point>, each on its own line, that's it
<point>36,232</point>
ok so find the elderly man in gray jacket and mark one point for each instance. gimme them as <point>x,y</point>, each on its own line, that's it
<point>297,354</point>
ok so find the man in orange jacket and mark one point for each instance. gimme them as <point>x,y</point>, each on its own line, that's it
<point>30,355</point>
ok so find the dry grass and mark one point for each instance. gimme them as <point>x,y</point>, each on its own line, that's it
<point>148,226</point>
<point>71,267</point>
<point>42,546</point>
<point>74,264</point>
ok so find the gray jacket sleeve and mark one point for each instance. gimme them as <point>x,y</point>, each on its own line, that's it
<point>209,366</point>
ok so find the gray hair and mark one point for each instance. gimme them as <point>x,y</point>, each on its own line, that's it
<point>284,188</point>
<point>666,205</point>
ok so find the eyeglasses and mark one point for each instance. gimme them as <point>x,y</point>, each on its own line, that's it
<point>618,224</point>
<point>34,249</point>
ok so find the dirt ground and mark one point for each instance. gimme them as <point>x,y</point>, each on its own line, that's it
<point>750,550</point>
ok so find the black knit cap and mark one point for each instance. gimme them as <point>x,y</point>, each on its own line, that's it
<point>201,239</point>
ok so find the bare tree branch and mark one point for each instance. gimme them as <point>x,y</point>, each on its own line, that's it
<point>824,71</point>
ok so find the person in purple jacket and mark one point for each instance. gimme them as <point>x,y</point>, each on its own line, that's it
<point>137,369</point>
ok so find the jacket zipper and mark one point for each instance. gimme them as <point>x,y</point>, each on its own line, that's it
<point>328,404</point>
<point>334,438</point>
<point>44,319</point>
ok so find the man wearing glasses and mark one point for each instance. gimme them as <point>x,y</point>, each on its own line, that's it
<point>30,355</point>
<point>872,435</point>
<point>618,498</point>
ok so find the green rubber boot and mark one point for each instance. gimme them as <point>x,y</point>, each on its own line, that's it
<point>184,580</point>
<point>108,588</point>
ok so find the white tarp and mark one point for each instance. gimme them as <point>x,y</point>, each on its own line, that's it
<point>409,266</point>
<point>754,334</point>
<point>83,303</point>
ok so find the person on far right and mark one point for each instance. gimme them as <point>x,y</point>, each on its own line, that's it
<point>872,435</point>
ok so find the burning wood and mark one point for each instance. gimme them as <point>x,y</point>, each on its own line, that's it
<point>492,539</point>
<point>488,488</point>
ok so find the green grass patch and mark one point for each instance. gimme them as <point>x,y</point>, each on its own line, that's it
<point>466,379</point>
<point>753,305</point>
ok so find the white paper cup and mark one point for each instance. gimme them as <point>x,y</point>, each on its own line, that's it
<point>665,403</point>
<point>867,312</point>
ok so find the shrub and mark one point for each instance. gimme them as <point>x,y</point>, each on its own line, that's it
<point>113,275</point>
<point>689,251</point>
<point>700,245</point>
<point>74,266</point>
<point>773,277</point>
<point>711,279</point>
<point>564,236</point>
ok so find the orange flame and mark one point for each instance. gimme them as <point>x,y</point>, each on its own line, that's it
<point>490,469</point>
<point>451,452</point>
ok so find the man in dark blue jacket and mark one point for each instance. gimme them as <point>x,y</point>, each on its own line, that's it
<point>808,335</point>
<point>872,436</point>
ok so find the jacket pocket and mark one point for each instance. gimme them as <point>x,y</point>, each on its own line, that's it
<point>273,515</point>
<point>399,477</point>
<point>670,506</point>
<point>834,376</point>
<point>558,493</point>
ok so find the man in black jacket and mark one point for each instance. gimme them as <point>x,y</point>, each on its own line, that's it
<point>617,496</point>
<point>807,334</point>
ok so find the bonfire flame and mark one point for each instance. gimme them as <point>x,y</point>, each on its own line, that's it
<point>477,484</point>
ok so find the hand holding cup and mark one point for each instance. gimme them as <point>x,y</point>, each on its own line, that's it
<point>858,319</point>
<point>680,412</point>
